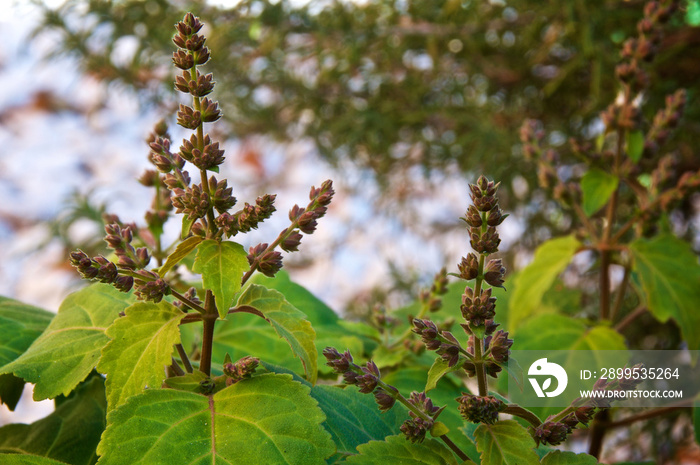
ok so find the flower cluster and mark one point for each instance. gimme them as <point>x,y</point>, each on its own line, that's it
<point>554,431</point>
<point>206,205</point>
<point>480,409</point>
<point>241,369</point>
<point>262,257</point>
<point>417,426</point>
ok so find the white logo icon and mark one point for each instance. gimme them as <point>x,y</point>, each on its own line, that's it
<point>543,367</point>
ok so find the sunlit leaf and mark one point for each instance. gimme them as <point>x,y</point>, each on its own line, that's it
<point>70,346</point>
<point>141,346</point>
<point>221,265</point>
<point>268,419</point>
<point>289,323</point>
<point>182,250</point>
<point>551,258</point>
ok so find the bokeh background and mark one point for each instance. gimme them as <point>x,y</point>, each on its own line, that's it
<point>402,103</point>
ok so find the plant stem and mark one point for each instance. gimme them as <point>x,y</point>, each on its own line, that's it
<point>188,302</point>
<point>620,297</point>
<point>598,430</point>
<point>208,325</point>
<point>176,367</point>
<point>478,344</point>
<point>637,312</point>
<point>604,284</point>
<point>646,415</point>
<point>462,456</point>
<point>183,356</point>
<point>518,411</point>
<point>397,395</point>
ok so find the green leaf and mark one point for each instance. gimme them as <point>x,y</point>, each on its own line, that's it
<point>505,443</point>
<point>330,330</point>
<point>23,459</point>
<point>352,418</point>
<point>439,369</point>
<point>11,388</point>
<point>597,186</point>
<point>411,379</point>
<point>583,345</point>
<point>635,145</point>
<point>141,346</point>
<point>221,265</point>
<point>186,226</point>
<point>69,434</point>
<point>384,357</point>
<point>187,382</point>
<point>20,325</point>
<point>551,258</point>
<point>559,332</point>
<point>70,346</point>
<point>268,419</point>
<point>183,249</point>
<point>669,274</point>
<point>316,311</point>
<point>288,322</point>
<point>397,450</point>
<point>557,457</point>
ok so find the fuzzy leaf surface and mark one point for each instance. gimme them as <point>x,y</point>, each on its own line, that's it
<point>505,443</point>
<point>69,348</point>
<point>182,250</point>
<point>397,450</point>
<point>551,258</point>
<point>141,346</point>
<point>20,325</point>
<point>557,457</point>
<point>268,419</point>
<point>69,434</point>
<point>221,265</point>
<point>597,186</point>
<point>670,279</point>
<point>289,323</point>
